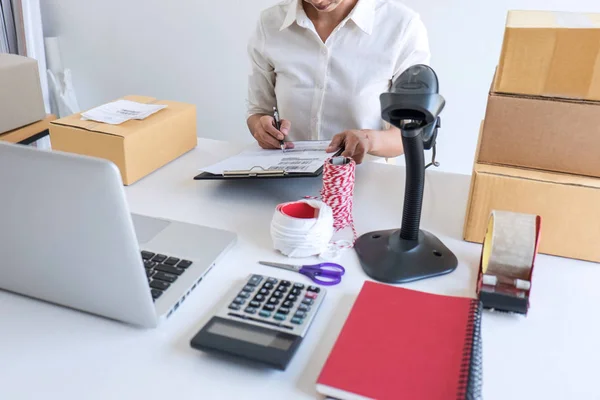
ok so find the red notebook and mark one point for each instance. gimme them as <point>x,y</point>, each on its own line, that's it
<point>403,344</point>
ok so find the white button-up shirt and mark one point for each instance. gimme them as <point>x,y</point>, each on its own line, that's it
<point>327,88</point>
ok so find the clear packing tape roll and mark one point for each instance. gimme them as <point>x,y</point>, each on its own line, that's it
<point>303,228</point>
<point>509,252</point>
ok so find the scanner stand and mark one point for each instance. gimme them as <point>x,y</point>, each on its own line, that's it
<point>386,257</point>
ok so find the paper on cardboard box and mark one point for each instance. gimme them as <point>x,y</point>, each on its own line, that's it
<point>137,147</point>
<point>567,204</point>
<point>552,54</point>
<point>541,133</point>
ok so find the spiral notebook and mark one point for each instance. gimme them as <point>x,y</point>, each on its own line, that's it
<point>403,344</point>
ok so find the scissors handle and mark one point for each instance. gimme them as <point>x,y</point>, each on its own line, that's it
<point>326,274</point>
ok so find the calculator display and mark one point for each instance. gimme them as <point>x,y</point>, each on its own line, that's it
<point>251,334</point>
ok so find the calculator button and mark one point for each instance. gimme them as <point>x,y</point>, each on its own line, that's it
<point>269,307</point>
<point>146,255</point>
<point>234,306</point>
<point>277,294</point>
<point>273,301</point>
<point>255,280</point>
<point>286,283</point>
<point>250,310</point>
<point>303,307</point>
<point>297,321</point>
<point>284,311</point>
<point>291,297</point>
<point>308,302</point>
<point>298,286</point>
<point>264,314</point>
<point>172,261</point>
<point>156,293</point>
<point>244,294</point>
<point>315,289</point>
<point>272,280</point>
<point>288,304</point>
<point>300,314</point>
<point>311,295</point>
<point>239,300</point>
<point>259,297</point>
<point>279,317</point>
<point>263,291</point>
<point>268,286</point>
<point>296,291</point>
<point>255,304</point>
<point>282,289</point>
<point>249,288</point>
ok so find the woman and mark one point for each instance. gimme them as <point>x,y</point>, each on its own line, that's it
<point>324,64</point>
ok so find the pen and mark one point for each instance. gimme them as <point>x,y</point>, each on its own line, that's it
<point>278,126</point>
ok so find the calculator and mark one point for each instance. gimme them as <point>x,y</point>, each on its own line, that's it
<point>264,319</point>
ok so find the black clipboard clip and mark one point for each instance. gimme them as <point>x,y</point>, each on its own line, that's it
<point>253,172</point>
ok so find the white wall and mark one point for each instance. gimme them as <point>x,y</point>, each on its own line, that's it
<point>185,49</point>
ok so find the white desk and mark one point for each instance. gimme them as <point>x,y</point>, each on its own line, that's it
<point>54,353</point>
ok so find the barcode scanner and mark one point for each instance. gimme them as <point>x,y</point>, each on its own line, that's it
<point>413,105</point>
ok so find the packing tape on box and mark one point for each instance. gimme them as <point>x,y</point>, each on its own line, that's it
<point>510,245</point>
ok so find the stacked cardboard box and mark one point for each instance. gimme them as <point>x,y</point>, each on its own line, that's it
<point>21,99</point>
<point>539,146</point>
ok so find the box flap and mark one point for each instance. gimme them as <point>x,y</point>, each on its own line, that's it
<point>127,128</point>
<point>540,176</point>
<point>552,19</point>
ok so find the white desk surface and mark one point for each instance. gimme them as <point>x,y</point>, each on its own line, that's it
<point>54,353</point>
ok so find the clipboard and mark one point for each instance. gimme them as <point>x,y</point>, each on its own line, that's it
<point>258,172</point>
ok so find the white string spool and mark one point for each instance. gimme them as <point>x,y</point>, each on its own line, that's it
<point>303,228</point>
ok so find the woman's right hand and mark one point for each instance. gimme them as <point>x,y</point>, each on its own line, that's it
<point>266,134</point>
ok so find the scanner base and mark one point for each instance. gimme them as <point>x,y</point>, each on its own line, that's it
<point>386,257</point>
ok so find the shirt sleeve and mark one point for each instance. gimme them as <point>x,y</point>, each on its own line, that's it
<point>414,47</point>
<point>261,81</point>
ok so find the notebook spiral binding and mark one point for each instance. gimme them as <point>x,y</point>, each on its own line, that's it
<point>471,371</point>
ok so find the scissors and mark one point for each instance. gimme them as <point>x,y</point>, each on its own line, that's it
<point>330,271</point>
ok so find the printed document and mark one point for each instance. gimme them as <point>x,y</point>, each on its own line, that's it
<point>306,156</point>
<point>119,111</point>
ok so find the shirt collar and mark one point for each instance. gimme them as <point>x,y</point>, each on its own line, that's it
<point>363,14</point>
<point>293,12</point>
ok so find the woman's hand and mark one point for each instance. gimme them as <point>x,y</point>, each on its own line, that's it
<point>356,143</point>
<point>266,134</point>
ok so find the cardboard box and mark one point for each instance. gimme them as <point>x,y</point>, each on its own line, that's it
<point>567,204</point>
<point>539,133</point>
<point>21,99</point>
<point>553,54</point>
<point>136,147</point>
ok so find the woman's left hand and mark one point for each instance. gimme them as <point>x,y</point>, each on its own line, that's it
<point>356,144</point>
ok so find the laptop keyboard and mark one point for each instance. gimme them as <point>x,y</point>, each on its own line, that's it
<point>162,271</point>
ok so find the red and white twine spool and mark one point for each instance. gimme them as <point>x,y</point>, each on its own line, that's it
<point>338,191</point>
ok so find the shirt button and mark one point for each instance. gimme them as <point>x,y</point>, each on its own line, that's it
<point>324,51</point>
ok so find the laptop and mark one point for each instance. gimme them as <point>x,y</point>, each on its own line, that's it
<point>67,237</point>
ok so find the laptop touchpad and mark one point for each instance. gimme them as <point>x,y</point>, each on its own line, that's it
<point>146,228</point>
